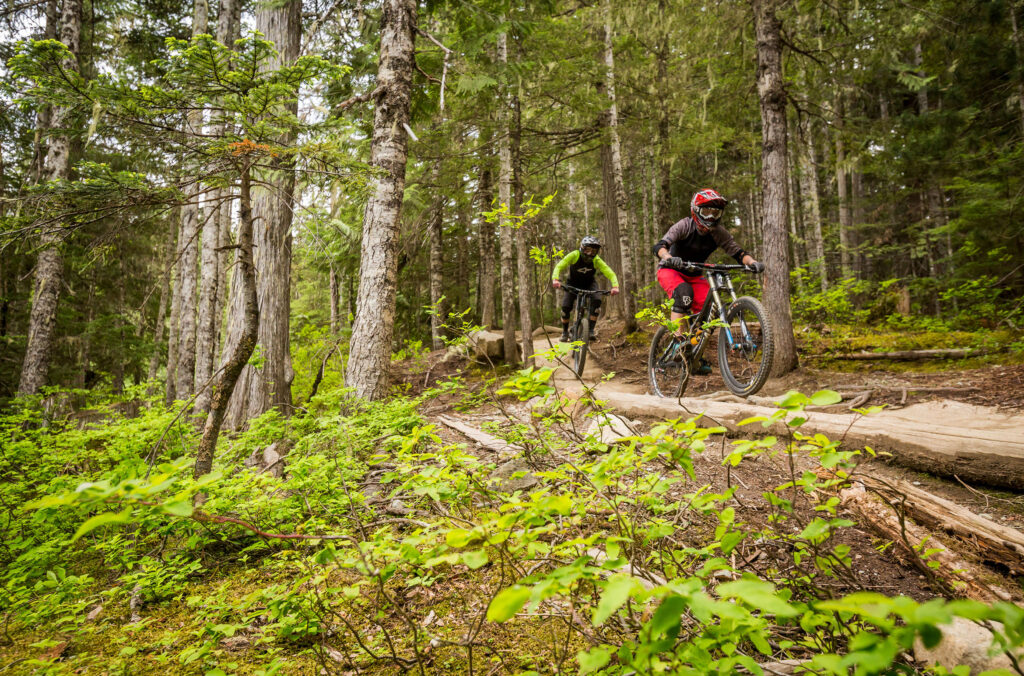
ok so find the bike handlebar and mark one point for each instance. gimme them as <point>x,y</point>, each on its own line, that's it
<point>601,292</point>
<point>717,267</point>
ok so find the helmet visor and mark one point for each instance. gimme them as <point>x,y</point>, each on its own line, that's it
<point>710,214</point>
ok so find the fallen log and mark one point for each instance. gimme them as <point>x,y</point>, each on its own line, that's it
<point>912,541</point>
<point>909,355</point>
<point>989,541</point>
<point>946,438</point>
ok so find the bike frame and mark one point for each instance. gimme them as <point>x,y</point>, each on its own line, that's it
<point>582,305</point>
<point>719,282</point>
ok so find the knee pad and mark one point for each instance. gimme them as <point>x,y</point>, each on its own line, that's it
<point>682,298</point>
<point>566,312</point>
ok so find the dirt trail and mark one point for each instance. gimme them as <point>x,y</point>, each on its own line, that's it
<point>950,438</point>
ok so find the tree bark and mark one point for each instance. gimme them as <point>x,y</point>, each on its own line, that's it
<point>809,180</point>
<point>161,313</point>
<point>772,96</point>
<point>188,282</point>
<point>843,195</point>
<point>375,304</point>
<point>172,324</point>
<point>435,229</point>
<point>508,302</point>
<point>239,352</point>
<point>214,257</point>
<point>50,264</point>
<point>622,215</point>
<point>485,294</point>
<point>335,301</point>
<point>525,285</point>
<point>260,390</point>
<point>1018,49</point>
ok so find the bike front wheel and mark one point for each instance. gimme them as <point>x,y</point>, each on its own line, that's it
<point>745,347</point>
<point>579,352</point>
<point>667,367</point>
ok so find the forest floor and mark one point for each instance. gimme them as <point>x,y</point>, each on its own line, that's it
<point>992,386</point>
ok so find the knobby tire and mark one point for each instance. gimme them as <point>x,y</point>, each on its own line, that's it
<point>742,385</point>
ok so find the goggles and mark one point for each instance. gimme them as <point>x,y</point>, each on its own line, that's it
<point>710,213</point>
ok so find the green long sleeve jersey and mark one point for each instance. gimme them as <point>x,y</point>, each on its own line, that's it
<point>581,274</point>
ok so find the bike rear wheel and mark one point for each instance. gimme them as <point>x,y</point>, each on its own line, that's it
<point>667,366</point>
<point>579,352</point>
<point>745,347</point>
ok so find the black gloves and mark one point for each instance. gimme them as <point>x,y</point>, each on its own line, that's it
<point>679,264</point>
<point>756,266</point>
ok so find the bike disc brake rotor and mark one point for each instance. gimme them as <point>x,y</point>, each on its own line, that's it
<point>745,354</point>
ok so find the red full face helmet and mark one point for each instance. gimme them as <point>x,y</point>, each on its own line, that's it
<point>706,208</point>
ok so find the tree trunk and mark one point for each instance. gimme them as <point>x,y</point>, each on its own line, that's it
<point>375,304</point>
<point>435,228</point>
<point>239,352</point>
<point>50,264</point>
<point>172,324</point>
<point>206,344</point>
<point>161,313</point>
<point>1019,51</point>
<point>508,302</point>
<point>485,295</point>
<point>188,282</point>
<point>858,217</point>
<point>842,192</point>
<point>335,301</point>
<point>809,179</point>
<point>622,216</point>
<point>525,285</point>
<point>773,181</point>
<point>212,282</point>
<point>260,390</point>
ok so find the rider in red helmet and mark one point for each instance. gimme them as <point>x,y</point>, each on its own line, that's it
<point>692,240</point>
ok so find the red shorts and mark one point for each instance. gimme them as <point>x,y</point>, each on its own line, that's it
<point>670,279</point>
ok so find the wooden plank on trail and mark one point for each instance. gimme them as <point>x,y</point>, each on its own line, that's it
<point>485,440</point>
<point>946,438</point>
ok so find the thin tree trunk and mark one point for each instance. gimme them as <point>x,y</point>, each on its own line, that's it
<point>213,257</point>
<point>484,197</point>
<point>842,192</point>
<point>795,220</point>
<point>335,302</point>
<point>622,216</point>
<point>375,304</point>
<point>161,313</point>
<point>508,302</point>
<point>191,235</point>
<point>50,264</point>
<point>238,353</point>
<point>172,324</point>
<point>1018,49</point>
<point>525,285</point>
<point>435,228</point>
<point>857,199</point>
<point>772,96</point>
<point>809,178</point>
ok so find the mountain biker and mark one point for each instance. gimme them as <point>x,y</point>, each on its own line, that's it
<point>583,264</point>
<point>692,240</point>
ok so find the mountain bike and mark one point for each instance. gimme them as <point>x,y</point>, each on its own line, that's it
<point>579,329</point>
<point>745,346</point>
